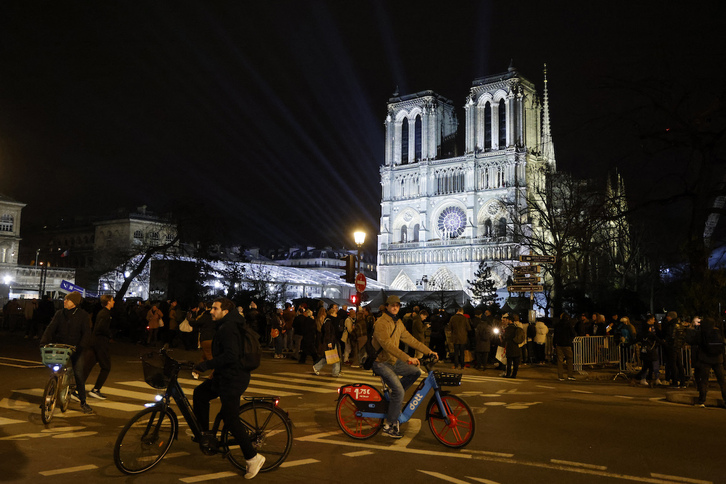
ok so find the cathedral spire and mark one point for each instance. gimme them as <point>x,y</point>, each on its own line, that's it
<point>548,146</point>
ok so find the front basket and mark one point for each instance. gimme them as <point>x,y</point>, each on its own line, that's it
<point>447,379</point>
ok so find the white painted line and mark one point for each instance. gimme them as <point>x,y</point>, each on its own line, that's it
<point>359,453</point>
<point>172,455</point>
<point>300,462</point>
<point>24,361</point>
<point>542,465</point>
<point>623,396</point>
<point>411,430</point>
<point>304,381</point>
<point>485,452</point>
<point>548,388</point>
<point>8,421</point>
<point>190,390</point>
<point>679,479</point>
<point>580,391</point>
<point>443,477</point>
<point>26,407</point>
<point>578,464</point>
<point>68,470</point>
<point>74,435</point>
<point>209,477</point>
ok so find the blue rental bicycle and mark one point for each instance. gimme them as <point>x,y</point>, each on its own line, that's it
<point>361,408</point>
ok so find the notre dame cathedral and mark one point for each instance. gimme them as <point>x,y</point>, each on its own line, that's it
<point>443,211</point>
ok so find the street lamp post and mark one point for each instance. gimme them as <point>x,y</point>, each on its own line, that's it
<point>360,238</point>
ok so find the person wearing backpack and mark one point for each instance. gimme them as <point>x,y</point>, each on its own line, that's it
<point>710,357</point>
<point>229,382</point>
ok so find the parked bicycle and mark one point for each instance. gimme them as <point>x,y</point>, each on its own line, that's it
<point>148,436</point>
<point>61,383</point>
<point>361,408</point>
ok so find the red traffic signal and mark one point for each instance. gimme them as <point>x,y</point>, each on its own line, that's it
<point>354,299</point>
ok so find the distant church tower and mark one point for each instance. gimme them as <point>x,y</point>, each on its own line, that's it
<point>442,211</point>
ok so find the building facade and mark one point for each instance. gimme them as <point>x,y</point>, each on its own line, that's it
<point>443,212</point>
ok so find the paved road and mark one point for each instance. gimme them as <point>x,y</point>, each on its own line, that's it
<point>533,429</point>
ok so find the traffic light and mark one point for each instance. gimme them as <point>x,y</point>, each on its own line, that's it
<point>354,299</point>
<point>349,269</point>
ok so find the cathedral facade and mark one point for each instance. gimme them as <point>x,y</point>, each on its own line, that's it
<point>442,211</point>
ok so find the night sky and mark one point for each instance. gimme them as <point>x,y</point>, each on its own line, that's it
<point>269,115</point>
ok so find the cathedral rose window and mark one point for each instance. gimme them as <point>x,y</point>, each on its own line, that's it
<point>452,222</point>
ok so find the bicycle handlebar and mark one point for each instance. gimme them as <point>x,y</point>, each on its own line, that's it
<point>428,361</point>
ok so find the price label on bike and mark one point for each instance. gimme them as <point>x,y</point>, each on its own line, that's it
<point>362,393</point>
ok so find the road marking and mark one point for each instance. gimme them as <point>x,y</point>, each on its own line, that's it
<point>548,388</point>
<point>443,477</point>
<point>250,389</point>
<point>486,452</point>
<point>482,480</point>
<point>578,464</point>
<point>679,479</point>
<point>209,477</point>
<point>623,396</point>
<point>8,421</point>
<point>413,427</point>
<point>580,391</point>
<point>318,438</point>
<point>74,435</point>
<point>33,364</point>
<point>302,381</point>
<point>359,453</point>
<point>68,470</point>
<point>301,462</point>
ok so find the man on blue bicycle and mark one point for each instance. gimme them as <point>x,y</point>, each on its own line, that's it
<point>393,363</point>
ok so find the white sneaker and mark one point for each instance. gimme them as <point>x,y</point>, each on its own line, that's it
<point>254,465</point>
<point>644,382</point>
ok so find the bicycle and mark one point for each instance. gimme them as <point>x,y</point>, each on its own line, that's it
<point>147,437</point>
<point>61,383</point>
<point>361,408</point>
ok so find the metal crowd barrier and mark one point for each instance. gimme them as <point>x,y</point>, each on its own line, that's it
<point>594,350</point>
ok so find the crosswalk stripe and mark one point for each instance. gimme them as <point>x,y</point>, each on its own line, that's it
<point>190,390</point>
<point>27,407</point>
<point>7,421</point>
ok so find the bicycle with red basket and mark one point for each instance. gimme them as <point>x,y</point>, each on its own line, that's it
<point>361,408</point>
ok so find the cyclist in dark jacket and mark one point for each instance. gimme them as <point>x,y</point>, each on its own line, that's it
<point>72,326</point>
<point>229,381</point>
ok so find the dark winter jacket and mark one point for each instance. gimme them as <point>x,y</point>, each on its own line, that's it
<point>102,328</point>
<point>512,348</point>
<point>564,333</point>
<point>483,335</point>
<point>226,352</point>
<point>69,327</point>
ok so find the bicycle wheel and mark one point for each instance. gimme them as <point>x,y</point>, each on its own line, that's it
<point>270,431</point>
<point>460,429</point>
<point>353,425</point>
<point>50,395</point>
<point>144,440</point>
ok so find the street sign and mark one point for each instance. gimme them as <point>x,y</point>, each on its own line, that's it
<point>360,282</point>
<point>70,287</point>
<point>526,270</point>
<point>527,280</point>
<point>525,288</point>
<point>549,259</point>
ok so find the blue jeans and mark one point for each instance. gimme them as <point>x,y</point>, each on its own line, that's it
<point>320,364</point>
<point>398,386</point>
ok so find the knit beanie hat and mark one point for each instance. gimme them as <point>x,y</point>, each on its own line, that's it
<point>74,297</point>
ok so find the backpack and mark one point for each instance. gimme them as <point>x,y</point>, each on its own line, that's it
<point>713,343</point>
<point>519,336</point>
<point>251,348</point>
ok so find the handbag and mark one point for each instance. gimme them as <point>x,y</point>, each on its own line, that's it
<point>332,356</point>
<point>501,355</point>
<point>185,327</point>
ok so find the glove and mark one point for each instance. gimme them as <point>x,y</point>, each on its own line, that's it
<point>200,367</point>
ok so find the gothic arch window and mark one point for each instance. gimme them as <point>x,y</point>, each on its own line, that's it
<point>417,138</point>
<point>488,228</point>
<point>138,234</point>
<point>404,141</point>
<point>502,125</point>
<point>487,126</point>
<point>451,222</point>
<point>404,234</point>
<point>502,227</point>
<point>416,232</point>
<point>6,223</point>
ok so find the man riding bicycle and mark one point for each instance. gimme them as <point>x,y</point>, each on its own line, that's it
<point>228,382</point>
<point>391,362</point>
<point>72,326</point>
